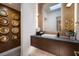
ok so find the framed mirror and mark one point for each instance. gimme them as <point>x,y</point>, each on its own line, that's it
<point>56,17</point>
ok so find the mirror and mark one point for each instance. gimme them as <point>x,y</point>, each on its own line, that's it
<point>56,17</point>
<point>52,18</point>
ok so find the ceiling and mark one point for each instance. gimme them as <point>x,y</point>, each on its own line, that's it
<point>15,6</point>
<point>47,5</point>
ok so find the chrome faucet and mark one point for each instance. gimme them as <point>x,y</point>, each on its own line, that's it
<point>75,34</point>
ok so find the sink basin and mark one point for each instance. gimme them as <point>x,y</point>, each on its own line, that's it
<point>65,37</point>
<point>60,38</point>
<point>49,36</point>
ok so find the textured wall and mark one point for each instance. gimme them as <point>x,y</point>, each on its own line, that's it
<point>11,43</point>
<point>28,26</point>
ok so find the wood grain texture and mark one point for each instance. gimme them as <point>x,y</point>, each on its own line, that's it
<point>57,47</point>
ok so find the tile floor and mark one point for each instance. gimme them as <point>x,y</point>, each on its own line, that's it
<point>38,52</point>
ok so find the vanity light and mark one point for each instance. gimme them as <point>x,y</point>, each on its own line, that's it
<point>68,4</point>
<point>10,3</point>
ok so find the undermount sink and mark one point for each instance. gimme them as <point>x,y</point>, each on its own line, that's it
<point>48,36</point>
<point>55,36</point>
<point>65,37</point>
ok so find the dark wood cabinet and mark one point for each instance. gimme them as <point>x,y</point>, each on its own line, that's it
<point>66,49</point>
<point>57,47</point>
<point>46,45</point>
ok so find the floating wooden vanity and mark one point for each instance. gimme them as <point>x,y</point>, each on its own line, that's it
<point>57,46</point>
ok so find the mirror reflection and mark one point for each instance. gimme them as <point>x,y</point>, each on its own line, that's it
<point>52,18</point>
<point>56,18</point>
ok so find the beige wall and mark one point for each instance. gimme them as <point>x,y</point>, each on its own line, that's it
<point>40,16</point>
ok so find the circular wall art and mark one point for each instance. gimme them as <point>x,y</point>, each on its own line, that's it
<point>4,38</point>
<point>4,30</point>
<point>15,22</point>
<point>16,17</point>
<point>14,37</point>
<point>3,12</point>
<point>15,30</point>
<point>4,21</point>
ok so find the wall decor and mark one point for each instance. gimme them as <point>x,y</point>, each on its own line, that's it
<point>16,17</point>
<point>14,37</point>
<point>4,21</point>
<point>15,30</point>
<point>4,30</point>
<point>3,12</point>
<point>69,24</point>
<point>4,38</point>
<point>9,28</point>
<point>15,22</point>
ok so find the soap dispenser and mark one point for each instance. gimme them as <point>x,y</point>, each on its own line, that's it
<point>58,35</point>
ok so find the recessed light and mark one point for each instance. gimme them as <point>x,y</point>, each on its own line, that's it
<point>55,7</point>
<point>68,4</point>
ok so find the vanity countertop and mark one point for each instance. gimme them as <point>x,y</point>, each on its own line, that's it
<point>61,38</point>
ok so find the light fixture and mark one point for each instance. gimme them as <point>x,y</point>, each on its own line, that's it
<point>55,7</point>
<point>10,3</point>
<point>68,4</point>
